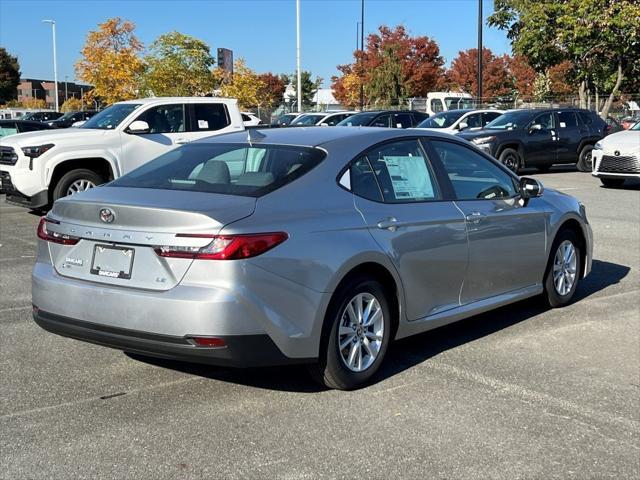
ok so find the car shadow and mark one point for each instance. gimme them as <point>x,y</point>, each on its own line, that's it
<point>406,353</point>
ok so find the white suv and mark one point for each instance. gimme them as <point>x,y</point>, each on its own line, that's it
<point>40,167</point>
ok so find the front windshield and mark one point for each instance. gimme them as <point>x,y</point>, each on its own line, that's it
<point>509,121</point>
<point>309,119</point>
<point>454,103</point>
<point>441,120</point>
<point>358,120</point>
<point>111,117</point>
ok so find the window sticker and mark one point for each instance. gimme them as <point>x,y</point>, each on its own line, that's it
<point>409,177</point>
<point>563,125</point>
<point>203,124</point>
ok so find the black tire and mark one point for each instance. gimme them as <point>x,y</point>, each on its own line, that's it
<point>510,158</point>
<point>585,162</point>
<point>551,295</point>
<point>331,370</point>
<point>65,182</point>
<point>611,182</point>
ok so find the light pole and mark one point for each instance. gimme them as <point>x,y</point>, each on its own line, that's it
<point>480,51</point>
<point>299,73</point>
<point>55,61</point>
<point>361,51</point>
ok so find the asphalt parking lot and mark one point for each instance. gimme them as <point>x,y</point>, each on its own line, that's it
<point>522,392</point>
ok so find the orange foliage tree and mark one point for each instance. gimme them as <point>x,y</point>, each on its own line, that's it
<point>110,61</point>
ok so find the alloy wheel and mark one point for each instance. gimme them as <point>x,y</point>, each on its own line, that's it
<point>361,330</point>
<point>80,186</point>
<point>511,162</point>
<point>565,265</point>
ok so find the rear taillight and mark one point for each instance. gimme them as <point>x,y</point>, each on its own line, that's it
<point>224,247</point>
<point>54,237</point>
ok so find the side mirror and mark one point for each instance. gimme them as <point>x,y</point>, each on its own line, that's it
<point>530,187</point>
<point>463,126</point>
<point>78,124</point>
<point>138,126</point>
<point>324,124</point>
<point>536,127</point>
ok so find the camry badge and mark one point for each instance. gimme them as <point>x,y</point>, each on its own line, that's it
<point>106,215</point>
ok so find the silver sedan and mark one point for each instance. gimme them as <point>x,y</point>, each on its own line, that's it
<point>315,246</point>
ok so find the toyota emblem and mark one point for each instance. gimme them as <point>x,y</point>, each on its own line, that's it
<point>106,215</point>
<point>617,153</point>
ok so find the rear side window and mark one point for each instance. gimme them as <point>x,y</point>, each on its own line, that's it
<point>8,129</point>
<point>381,121</point>
<point>210,117</point>
<point>232,169</point>
<point>586,118</point>
<point>401,120</point>
<point>396,172</point>
<point>567,119</point>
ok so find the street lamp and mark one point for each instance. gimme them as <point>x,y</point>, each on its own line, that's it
<point>299,73</point>
<point>55,61</point>
<point>66,94</point>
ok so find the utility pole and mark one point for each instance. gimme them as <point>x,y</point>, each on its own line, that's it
<point>299,73</point>
<point>361,51</point>
<point>66,94</point>
<point>55,62</point>
<point>480,51</point>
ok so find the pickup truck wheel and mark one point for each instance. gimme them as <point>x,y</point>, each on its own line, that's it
<point>510,159</point>
<point>76,181</point>
<point>585,162</point>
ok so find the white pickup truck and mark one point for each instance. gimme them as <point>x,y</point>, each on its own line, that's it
<point>37,168</point>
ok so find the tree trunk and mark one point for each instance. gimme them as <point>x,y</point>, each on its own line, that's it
<point>581,94</point>
<point>609,102</point>
<point>597,99</point>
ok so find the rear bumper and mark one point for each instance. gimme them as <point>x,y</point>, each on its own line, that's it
<point>240,350</point>
<point>16,197</point>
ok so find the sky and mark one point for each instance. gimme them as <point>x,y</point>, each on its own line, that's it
<point>263,32</point>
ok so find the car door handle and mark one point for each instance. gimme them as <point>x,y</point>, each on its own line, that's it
<point>389,223</point>
<point>181,141</point>
<point>475,217</point>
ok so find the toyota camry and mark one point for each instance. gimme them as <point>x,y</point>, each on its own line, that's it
<point>314,246</point>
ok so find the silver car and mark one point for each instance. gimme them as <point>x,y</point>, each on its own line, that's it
<point>315,246</point>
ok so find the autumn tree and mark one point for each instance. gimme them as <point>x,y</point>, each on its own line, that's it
<point>71,105</point>
<point>523,76</point>
<point>496,77</point>
<point>346,87</point>
<point>178,65</point>
<point>110,61</point>
<point>308,90</point>
<point>595,35</point>
<point>9,76</point>
<point>245,86</point>
<point>34,103</point>
<point>560,79</point>
<point>272,93</point>
<point>414,62</point>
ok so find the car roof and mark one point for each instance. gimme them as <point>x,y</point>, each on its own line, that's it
<point>315,137</point>
<point>156,100</point>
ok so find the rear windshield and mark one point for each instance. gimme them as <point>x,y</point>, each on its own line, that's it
<point>441,120</point>
<point>231,169</point>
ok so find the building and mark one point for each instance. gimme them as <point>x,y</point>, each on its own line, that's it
<point>44,89</point>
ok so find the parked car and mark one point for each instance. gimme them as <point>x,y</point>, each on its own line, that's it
<point>628,122</point>
<point>443,101</point>
<point>68,119</point>
<point>324,119</point>
<point>613,125</point>
<point>115,141</point>
<point>384,118</point>
<point>617,157</point>
<point>541,138</point>
<point>316,246</point>
<point>11,127</point>
<point>285,119</point>
<point>250,120</point>
<point>454,121</point>
<point>42,116</point>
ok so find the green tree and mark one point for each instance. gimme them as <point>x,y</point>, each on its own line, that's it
<point>110,62</point>
<point>9,76</point>
<point>178,65</point>
<point>309,88</point>
<point>600,37</point>
<point>386,86</point>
